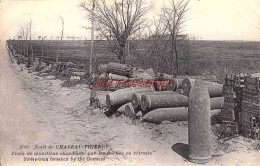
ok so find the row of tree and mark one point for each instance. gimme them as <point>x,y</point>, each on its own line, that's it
<point>25,34</point>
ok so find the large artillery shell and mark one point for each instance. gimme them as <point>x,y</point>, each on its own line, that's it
<point>168,100</point>
<point>199,124</point>
<point>216,103</point>
<point>119,69</point>
<point>170,114</point>
<point>215,90</point>
<point>166,114</point>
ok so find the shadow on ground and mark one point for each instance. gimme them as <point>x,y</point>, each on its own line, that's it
<point>181,149</point>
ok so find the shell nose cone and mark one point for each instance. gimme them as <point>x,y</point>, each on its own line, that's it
<point>199,123</point>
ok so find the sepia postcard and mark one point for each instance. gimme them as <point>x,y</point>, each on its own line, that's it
<point>129,82</point>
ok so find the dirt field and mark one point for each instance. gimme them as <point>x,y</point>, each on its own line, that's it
<point>38,111</point>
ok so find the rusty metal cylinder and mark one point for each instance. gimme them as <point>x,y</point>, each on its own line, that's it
<point>199,131</point>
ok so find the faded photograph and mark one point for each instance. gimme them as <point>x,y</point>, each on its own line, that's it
<point>129,82</point>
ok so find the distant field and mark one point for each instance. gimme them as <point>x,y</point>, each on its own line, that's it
<point>207,57</point>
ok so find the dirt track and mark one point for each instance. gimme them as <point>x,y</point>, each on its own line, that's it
<point>37,110</point>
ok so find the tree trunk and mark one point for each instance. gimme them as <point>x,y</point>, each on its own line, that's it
<point>27,48</point>
<point>42,52</point>
<point>122,59</point>
<point>32,53</point>
<point>177,60</point>
<point>57,57</point>
<point>172,56</point>
<point>24,49</point>
<point>122,52</point>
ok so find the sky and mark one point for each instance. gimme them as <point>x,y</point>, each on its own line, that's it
<point>206,19</point>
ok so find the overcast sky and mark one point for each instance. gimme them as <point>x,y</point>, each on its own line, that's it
<point>207,19</point>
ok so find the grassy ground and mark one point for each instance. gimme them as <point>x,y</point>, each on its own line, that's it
<point>206,57</point>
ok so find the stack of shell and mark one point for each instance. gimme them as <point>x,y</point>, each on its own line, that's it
<point>233,88</point>
<point>120,97</point>
<point>250,115</point>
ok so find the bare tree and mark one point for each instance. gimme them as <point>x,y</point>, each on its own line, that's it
<point>118,21</point>
<point>173,19</point>
<point>30,27</point>
<point>62,30</point>
<point>165,41</point>
<point>23,33</point>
